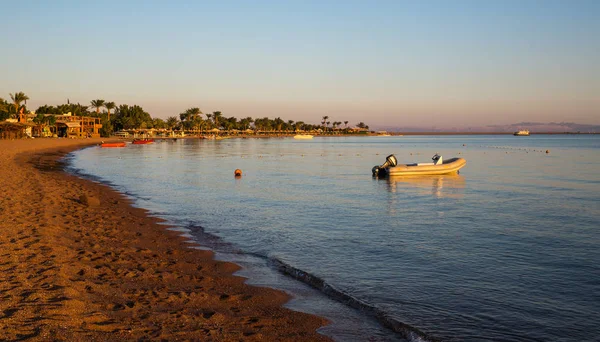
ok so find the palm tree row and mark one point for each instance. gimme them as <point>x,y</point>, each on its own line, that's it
<point>192,120</point>
<point>334,125</point>
<point>98,104</point>
<point>134,117</point>
<point>11,110</point>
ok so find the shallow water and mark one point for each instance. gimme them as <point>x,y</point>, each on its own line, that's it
<point>507,250</point>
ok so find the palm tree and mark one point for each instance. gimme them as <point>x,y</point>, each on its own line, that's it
<point>158,123</point>
<point>109,106</point>
<point>97,104</point>
<point>278,122</point>
<point>194,112</point>
<point>346,124</point>
<point>189,118</point>
<point>199,123</point>
<point>184,118</point>
<point>245,122</point>
<point>338,123</point>
<point>17,98</point>
<point>324,120</point>
<point>39,119</point>
<point>194,117</point>
<point>171,122</point>
<point>250,121</point>
<point>208,122</point>
<point>216,115</point>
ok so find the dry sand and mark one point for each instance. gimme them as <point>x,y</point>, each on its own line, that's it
<point>108,272</point>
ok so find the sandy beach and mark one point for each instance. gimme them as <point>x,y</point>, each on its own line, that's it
<point>105,271</point>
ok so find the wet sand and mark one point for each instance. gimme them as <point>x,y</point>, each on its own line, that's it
<point>107,271</point>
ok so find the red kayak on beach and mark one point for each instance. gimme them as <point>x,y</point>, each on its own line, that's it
<point>117,144</point>
<point>143,141</point>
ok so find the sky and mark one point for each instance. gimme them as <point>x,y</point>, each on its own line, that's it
<point>385,63</point>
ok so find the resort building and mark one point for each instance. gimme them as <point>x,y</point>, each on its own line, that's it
<point>77,126</point>
<point>66,125</point>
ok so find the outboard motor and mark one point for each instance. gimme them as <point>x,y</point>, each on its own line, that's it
<point>381,170</point>
<point>437,159</point>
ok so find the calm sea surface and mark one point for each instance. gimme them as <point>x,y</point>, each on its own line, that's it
<point>506,251</point>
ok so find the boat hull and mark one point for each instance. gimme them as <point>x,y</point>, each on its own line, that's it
<point>449,166</point>
<point>143,141</point>
<point>303,136</point>
<point>523,133</point>
<point>120,144</point>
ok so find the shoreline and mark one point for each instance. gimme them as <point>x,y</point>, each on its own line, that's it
<point>109,271</point>
<point>342,135</point>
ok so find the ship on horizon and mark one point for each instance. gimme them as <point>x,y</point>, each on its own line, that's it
<point>522,132</point>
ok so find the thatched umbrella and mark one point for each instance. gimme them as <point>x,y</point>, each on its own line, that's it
<point>12,130</point>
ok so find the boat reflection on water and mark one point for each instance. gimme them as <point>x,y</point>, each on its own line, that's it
<point>440,186</point>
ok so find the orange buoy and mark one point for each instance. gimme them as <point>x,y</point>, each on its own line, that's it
<point>237,172</point>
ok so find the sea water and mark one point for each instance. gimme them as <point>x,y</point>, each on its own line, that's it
<point>508,250</point>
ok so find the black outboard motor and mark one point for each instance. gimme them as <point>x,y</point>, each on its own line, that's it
<point>381,170</point>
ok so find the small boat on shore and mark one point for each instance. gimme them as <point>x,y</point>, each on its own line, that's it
<point>521,133</point>
<point>116,144</point>
<point>303,136</point>
<point>438,167</point>
<point>142,141</point>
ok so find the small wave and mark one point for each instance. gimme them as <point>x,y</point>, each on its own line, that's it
<point>407,331</point>
<point>209,240</point>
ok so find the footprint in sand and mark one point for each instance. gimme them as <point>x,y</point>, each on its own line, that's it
<point>51,287</point>
<point>208,314</point>
<point>118,307</point>
<point>33,334</point>
<point>8,313</point>
<point>252,320</point>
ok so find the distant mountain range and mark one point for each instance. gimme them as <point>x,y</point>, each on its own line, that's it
<point>552,127</point>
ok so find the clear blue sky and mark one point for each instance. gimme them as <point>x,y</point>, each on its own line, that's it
<point>455,63</point>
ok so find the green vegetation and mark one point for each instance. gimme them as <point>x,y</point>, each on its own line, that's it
<point>9,110</point>
<point>4,110</point>
<point>125,117</point>
<point>41,119</point>
<point>109,106</point>
<point>132,117</point>
<point>17,98</point>
<point>97,104</point>
<point>171,122</point>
